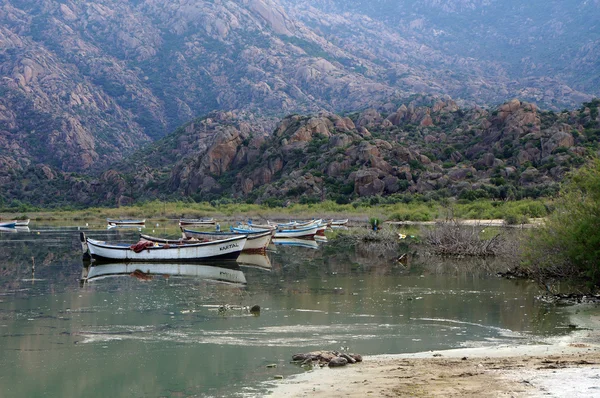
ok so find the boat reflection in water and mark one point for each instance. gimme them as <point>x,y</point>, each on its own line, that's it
<point>145,271</point>
<point>15,229</point>
<point>308,243</point>
<point>254,260</point>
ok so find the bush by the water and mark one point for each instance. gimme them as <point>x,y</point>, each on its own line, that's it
<point>568,244</point>
<point>453,239</point>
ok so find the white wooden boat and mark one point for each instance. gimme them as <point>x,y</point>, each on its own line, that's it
<point>307,243</point>
<point>8,224</point>
<point>125,226</point>
<point>22,223</point>
<point>249,229</point>
<point>257,240</point>
<point>208,272</point>
<point>338,223</point>
<point>256,227</point>
<point>273,224</point>
<point>301,224</point>
<point>148,251</point>
<point>307,232</point>
<point>295,224</point>
<point>196,221</point>
<point>118,222</point>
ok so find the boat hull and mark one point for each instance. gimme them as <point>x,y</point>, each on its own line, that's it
<point>8,224</point>
<point>184,222</point>
<point>125,222</point>
<point>226,249</point>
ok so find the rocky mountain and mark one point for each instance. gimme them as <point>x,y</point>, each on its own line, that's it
<point>428,146</point>
<point>537,40</point>
<point>85,83</point>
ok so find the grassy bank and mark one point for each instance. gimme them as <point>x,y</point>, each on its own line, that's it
<point>511,211</point>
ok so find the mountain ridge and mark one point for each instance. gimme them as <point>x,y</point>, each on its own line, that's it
<point>84,84</point>
<point>427,146</point>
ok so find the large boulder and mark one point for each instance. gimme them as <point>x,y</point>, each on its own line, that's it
<point>337,362</point>
<point>369,119</point>
<point>367,183</point>
<point>560,139</point>
<point>314,126</point>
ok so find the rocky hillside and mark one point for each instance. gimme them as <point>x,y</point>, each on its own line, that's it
<point>427,146</point>
<point>536,42</point>
<point>85,83</point>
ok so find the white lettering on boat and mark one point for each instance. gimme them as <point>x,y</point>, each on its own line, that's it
<point>231,246</point>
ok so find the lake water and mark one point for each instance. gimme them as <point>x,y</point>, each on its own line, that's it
<point>193,336</point>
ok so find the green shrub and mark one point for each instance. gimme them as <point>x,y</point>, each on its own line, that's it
<point>569,242</point>
<point>514,218</point>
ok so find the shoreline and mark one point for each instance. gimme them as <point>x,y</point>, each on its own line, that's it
<point>567,366</point>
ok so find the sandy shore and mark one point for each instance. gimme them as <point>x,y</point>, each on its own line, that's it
<point>567,367</point>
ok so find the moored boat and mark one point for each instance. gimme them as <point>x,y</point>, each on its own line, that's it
<point>251,228</point>
<point>257,240</point>
<point>148,270</point>
<point>8,224</point>
<point>22,223</point>
<point>296,224</point>
<point>229,248</point>
<point>307,232</point>
<point>117,222</point>
<point>338,223</point>
<point>196,221</point>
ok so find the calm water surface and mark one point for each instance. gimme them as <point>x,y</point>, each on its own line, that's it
<point>170,336</point>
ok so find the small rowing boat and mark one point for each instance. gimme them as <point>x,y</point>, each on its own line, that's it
<point>195,221</point>
<point>307,232</point>
<point>118,222</point>
<point>22,223</point>
<point>222,249</point>
<point>338,223</point>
